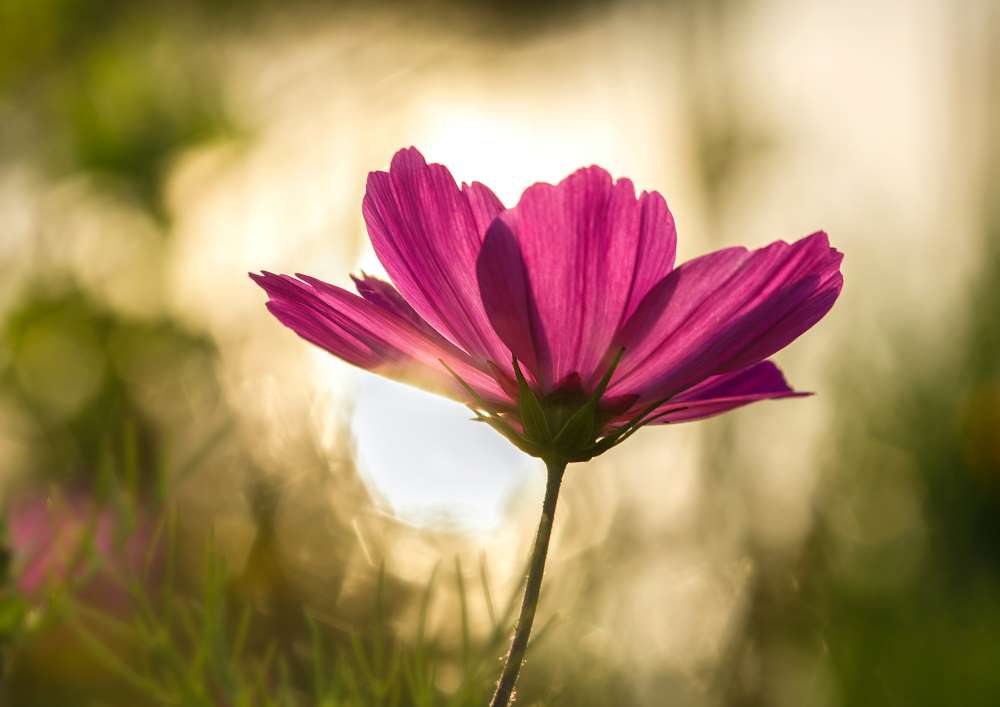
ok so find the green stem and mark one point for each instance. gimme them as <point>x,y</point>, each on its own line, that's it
<point>518,647</point>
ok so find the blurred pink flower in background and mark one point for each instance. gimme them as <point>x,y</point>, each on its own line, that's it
<point>70,540</point>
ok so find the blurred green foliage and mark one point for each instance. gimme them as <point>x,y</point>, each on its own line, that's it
<point>108,87</point>
<point>897,594</point>
<point>132,103</point>
<point>931,636</point>
<point>74,370</point>
<point>198,637</point>
<point>118,89</point>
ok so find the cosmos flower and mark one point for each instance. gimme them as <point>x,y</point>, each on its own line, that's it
<point>561,321</point>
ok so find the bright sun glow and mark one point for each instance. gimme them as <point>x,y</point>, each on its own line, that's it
<point>429,461</point>
<point>420,452</point>
<point>506,152</point>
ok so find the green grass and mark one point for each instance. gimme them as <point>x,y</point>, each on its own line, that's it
<point>205,644</point>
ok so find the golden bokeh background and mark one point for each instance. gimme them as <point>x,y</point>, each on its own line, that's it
<point>835,550</point>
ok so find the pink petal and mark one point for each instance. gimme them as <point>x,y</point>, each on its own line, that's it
<point>509,303</point>
<point>725,311</point>
<point>762,381</point>
<point>585,252</point>
<point>427,233</point>
<point>373,334</point>
<point>381,293</point>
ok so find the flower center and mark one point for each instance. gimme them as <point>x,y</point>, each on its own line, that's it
<point>563,426</point>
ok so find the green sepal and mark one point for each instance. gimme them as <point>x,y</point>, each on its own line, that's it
<point>483,414</point>
<point>620,434</point>
<point>580,428</point>
<point>518,440</point>
<point>536,424</point>
<point>468,388</point>
<point>578,439</point>
<point>606,379</point>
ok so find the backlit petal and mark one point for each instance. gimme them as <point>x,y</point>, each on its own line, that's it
<point>587,252</point>
<point>725,311</point>
<point>509,302</point>
<point>427,232</point>
<point>761,381</point>
<point>374,335</point>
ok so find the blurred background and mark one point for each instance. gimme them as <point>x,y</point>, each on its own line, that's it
<point>201,509</point>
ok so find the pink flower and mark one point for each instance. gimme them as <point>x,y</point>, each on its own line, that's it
<point>561,321</point>
<point>71,540</point>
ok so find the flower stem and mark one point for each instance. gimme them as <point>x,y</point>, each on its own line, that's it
<point>518,647</point>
